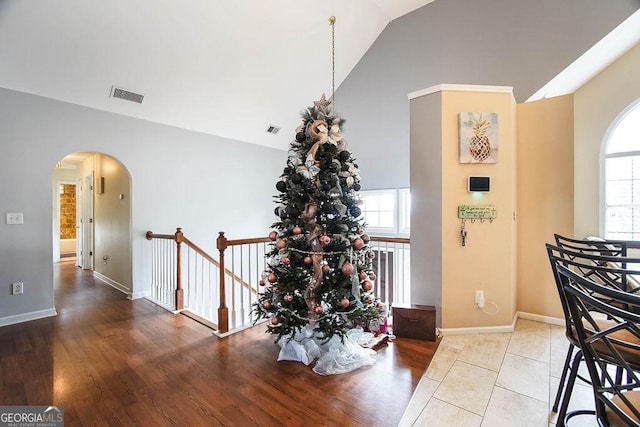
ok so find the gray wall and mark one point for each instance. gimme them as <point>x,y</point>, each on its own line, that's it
<point>178,178</point>
<point>426,186</point>
<point>519,43</point>
<point>112,218</point>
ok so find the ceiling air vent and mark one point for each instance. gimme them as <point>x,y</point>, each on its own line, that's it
<point>273,129</point>
<point>117,92</point>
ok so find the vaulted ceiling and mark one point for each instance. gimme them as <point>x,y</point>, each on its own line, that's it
<point>225,68</point>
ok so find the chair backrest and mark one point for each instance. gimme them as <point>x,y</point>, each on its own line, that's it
<point>596,246</point>
<point>604,270</point>
<point>615,271</point>
<point>605,343</point>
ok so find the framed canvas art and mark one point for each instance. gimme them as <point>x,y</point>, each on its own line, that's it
<point>478,137</point>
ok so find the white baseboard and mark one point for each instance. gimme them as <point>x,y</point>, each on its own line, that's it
<point>138,295</point>
<point>26,317</point>
<point>504,328</point>
<point>539,318</point>
<point>116,285</point>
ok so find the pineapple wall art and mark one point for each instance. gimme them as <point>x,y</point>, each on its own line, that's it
<point>478,137</point>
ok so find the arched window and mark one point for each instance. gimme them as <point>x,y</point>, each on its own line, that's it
<point>622,178</point>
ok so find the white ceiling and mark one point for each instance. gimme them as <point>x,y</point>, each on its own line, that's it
<point>225,68</point>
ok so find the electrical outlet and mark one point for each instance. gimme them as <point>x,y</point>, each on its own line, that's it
<point>17,288</point>
<point>15,218</point>
<point>480,299</point>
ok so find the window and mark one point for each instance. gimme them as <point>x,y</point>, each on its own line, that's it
<point>622,179</point>
<point>386,211</point>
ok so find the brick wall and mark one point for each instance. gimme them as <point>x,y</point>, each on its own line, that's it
<point>68,211</point>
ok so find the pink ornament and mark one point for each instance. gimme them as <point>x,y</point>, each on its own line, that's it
<point>308,260</point>
<point>266,305</point>
<point>369,300</point>
<point>275,320</point>
<point>358,243</point>
<point>366,238</point>
<point>262,282</point>
<point>367,285</point>
<point>281,244</point>
<point>326,268</point>
<point>344,303</point>
<point>319,309</point>
<point>286,261</point>
<point>362,275</point>
<point>324,240</point>
<point>297,230</point>
<point>372,255</point>
<point>273,235</point>
<point>276,290</point>
<point>272,278</point>
<point>347,269</point>
<point>288,298</point>
<point>372,276</point>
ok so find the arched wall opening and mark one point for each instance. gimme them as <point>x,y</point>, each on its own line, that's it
<point>103,216</point>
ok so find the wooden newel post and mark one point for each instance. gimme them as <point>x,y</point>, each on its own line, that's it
<point>223,311</point>
<point>179,293</point>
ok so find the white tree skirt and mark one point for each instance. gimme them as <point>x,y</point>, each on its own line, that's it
<point>334,356</point>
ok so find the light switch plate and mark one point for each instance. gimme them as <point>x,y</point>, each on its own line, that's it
<point>15,218</point>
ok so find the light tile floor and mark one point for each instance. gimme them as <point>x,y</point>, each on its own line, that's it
<point>506,379</point>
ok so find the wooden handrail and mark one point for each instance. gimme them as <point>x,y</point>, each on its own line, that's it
<point>247,241</point>
<point>402,240</point>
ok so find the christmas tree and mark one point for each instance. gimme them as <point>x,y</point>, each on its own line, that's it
<point>319,270</point>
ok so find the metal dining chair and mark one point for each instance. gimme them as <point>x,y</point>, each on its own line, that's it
<point>602,269</point>
<point>614,343</point>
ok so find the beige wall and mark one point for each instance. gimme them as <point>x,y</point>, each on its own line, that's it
<point>487,261</point>
<point>597,105</point>
<point>545,197</point>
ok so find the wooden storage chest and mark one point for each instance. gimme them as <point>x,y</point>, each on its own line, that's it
<point>414,321</point>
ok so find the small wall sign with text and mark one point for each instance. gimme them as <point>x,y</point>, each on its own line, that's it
<point>477,212</point>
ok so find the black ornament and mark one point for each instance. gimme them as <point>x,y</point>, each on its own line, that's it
<point>281,186</point>
<point>333,167</point>
<point>300,136</point>
<point>296,178</point>
<point>357,186</point>
<point>345,167</point>
<point>293,212</point>
<point>326,187</point>
<point>344,156</point>
<point>355,211</point>
<point>276,211</point>
<point>328,208</point>
<point>283,214</point>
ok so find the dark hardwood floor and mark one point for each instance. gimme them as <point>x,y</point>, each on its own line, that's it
<point>112,361</point>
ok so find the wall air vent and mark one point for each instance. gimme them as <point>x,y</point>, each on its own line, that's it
<point>273,129</point>
<point>117,92</point>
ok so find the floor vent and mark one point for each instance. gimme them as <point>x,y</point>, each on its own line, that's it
<point>117,92</point>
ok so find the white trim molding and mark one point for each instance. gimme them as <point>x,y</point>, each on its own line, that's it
<point>119,286</point>
<point>460,88</point>
<point>27,317</point>
<point>544,319</point>
<point>503,328</point>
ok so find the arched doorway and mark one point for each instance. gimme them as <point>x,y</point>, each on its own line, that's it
<point>102,220</point>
